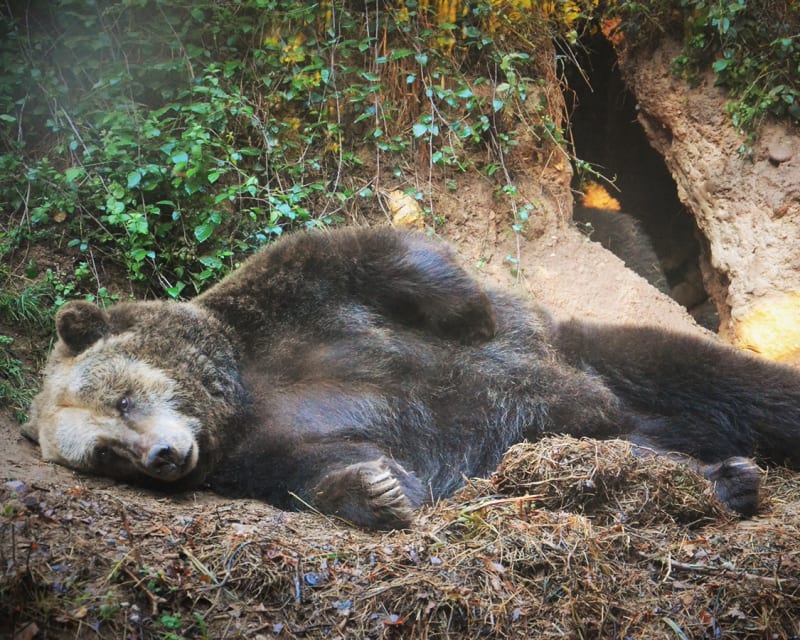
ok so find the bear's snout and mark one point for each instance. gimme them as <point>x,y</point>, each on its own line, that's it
<point>166,462</point>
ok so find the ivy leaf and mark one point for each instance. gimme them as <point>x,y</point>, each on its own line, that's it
<point>114,207</point>
<point>203,232</point>
<point>419,130</point>
<point>140,254</point>
<point>212,262</point>
<point>721,65</point>
<point>74,173</point>
<point>134,178</point>
<point>175,291</point>
<point>397,54</point>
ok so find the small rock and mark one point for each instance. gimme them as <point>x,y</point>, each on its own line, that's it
<point>17,486</point>
<point>312,579</point>
<point>779,152</point>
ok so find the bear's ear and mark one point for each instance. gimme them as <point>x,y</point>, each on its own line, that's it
<point>80,324</point>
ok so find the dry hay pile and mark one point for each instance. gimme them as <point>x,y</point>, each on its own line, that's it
<point>571,538</point>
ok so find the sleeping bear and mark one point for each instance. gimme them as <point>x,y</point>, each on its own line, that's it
<point>364,372</point>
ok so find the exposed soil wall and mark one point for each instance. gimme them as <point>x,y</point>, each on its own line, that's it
<point>747,205</point>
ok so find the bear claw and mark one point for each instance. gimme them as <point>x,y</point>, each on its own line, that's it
<point>379,494</point>
<point>386,493</point>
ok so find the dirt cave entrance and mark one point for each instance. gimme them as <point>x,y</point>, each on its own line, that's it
<point>625,197</point>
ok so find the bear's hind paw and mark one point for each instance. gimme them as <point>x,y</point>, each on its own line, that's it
<point>737,482</point>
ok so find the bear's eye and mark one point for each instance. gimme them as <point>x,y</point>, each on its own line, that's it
<point>124,405</point>
<point>103,453</point>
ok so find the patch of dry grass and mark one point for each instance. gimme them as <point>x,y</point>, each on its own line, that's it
<point>570,539</point>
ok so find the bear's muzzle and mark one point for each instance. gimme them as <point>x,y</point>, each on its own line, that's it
<point>165,462</point>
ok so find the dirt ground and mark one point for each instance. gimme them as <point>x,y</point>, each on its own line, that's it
<point>138,571</point>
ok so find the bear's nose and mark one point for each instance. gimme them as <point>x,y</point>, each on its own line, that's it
<point>164,460</point>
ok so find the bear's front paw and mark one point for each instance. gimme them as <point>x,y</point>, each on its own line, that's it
<point>737,482</point>
<point>378,494</point>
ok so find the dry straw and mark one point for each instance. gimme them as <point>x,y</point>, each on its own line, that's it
<point>570,539</point>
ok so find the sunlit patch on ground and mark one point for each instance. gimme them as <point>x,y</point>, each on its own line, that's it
<point>772,329</point>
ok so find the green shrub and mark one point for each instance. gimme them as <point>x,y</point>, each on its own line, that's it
<point>14,392</point>
<point>171,138</point>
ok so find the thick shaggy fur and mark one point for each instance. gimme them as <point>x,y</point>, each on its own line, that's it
<point>624,236</point>
<point>365,373</point>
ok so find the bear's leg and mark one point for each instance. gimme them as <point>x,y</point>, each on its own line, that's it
<point>379,494</point>
<point>689,394</point>
<point>404,277</point>
<point>420,283</point>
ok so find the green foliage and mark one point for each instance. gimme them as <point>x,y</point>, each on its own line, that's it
<point>125,128</point>
<point>752,46</point>
<point>27,308</point>
<point>756,55</point>
<point>109,608</point>
<point>171,138</point>
<point>13,390</point>
<point>170,621</point>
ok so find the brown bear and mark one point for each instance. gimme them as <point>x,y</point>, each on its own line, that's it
<point>365,373</point>
<point>624,236</point>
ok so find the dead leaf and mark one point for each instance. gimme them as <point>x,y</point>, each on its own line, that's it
<point>28,632</point>
<point>405,210</point>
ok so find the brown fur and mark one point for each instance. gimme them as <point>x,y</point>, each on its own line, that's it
<point>364,372</point>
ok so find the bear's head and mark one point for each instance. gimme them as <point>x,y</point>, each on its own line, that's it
<point>144,391</point>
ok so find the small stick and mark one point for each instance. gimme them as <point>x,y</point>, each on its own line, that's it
<point>702,568</point>
<point>150,595</point>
